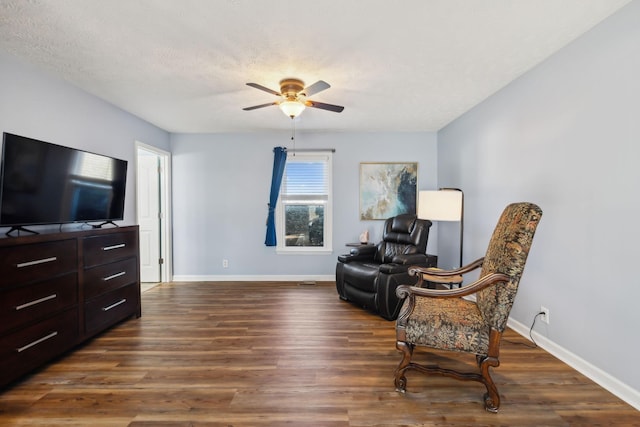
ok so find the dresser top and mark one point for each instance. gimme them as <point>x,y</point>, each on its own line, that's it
<point>55,234</point>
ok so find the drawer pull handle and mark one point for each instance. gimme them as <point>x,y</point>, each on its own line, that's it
<point>34,302</point>
<point>113,276</point>
<point>110,248</point>
<point>114,305</point>
<point>36,262</point>
<point>36,342</point>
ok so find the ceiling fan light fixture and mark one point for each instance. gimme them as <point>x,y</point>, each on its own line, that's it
<point>293,97</point>
<point>292,108</point>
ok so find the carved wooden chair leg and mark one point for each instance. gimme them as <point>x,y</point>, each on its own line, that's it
<point>400,379</point>
<point>492,397</point>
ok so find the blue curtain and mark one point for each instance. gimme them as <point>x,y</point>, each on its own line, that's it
<point>279,160</point>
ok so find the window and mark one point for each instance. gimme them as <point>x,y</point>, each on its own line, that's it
<point>304,211</point>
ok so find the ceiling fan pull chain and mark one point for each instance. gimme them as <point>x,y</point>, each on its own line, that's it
<point>293,135</point>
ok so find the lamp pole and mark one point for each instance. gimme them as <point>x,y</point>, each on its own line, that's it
<point>461,216</point>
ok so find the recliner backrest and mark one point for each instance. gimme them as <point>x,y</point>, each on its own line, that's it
<point>403,234</point>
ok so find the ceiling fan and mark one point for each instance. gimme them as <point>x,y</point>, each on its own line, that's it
<point>294,95</point>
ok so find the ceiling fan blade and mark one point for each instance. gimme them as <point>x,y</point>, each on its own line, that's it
<point>323,106</point>
<point>266,89</point>
<point>260,106</point>
<point>318,86</point>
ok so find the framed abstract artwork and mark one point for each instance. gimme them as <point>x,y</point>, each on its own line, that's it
<point>387,189</point>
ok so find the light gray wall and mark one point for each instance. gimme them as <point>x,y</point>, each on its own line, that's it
<point>221,188</point>
<point>566,136</point>
<point>37,105</point>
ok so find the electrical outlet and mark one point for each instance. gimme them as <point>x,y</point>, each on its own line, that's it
<point>545,314</point>
<point>225,263</point>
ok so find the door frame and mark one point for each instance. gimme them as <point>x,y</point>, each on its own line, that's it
<point>166,270</point>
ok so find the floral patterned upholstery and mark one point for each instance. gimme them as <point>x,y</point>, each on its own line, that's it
<point>449,324</point>
<point>442,319</point>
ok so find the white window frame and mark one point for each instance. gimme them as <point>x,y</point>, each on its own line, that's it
<point>327,248</point>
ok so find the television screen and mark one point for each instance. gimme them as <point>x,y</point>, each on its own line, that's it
<point>44,183</point>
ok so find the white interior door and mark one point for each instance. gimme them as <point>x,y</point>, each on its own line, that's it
<point>149,212</point>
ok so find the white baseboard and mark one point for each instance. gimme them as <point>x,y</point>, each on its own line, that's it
<point>249,278</point>
<point>597,375</point>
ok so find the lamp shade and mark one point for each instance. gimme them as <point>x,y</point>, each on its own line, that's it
<point>442,205</point>
<point>292,108</point>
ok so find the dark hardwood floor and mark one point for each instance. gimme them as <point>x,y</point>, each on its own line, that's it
<point>282,354</point>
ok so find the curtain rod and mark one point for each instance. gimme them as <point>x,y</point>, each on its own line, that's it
<point>302,150</point>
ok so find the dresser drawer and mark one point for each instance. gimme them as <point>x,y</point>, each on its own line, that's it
<point>109,247</point>
<point>29,303</point>
<point>110,308</point>
<point>104,278</point>
<point>38,261</point>
<point>28,348</point>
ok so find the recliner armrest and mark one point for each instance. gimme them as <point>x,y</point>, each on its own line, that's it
<point>344,258</point>
<point>365,250</point>
<point>361,253</point>
<point>417,259</point>
<point>393,268</point>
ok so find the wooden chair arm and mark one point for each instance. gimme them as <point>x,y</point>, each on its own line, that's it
<point>438,275</point>
<point>415,270</point>
<point>440,279</point>
<point>404,291</point>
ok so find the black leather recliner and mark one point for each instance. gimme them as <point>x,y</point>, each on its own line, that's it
<point>369,275</point>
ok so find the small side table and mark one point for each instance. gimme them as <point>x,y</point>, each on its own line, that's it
<point>355,245</point>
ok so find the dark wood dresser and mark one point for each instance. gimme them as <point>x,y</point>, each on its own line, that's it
<point>60,289</point>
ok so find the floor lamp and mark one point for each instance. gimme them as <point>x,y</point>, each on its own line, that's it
<point>445,204</point>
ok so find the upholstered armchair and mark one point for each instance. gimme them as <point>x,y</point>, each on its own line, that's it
<point>369,275</point>
<point>442,319</point>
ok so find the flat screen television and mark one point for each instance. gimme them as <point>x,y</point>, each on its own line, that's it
<point>44,183</point>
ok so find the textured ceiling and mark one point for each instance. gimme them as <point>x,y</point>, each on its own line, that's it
<point>410,65</point>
